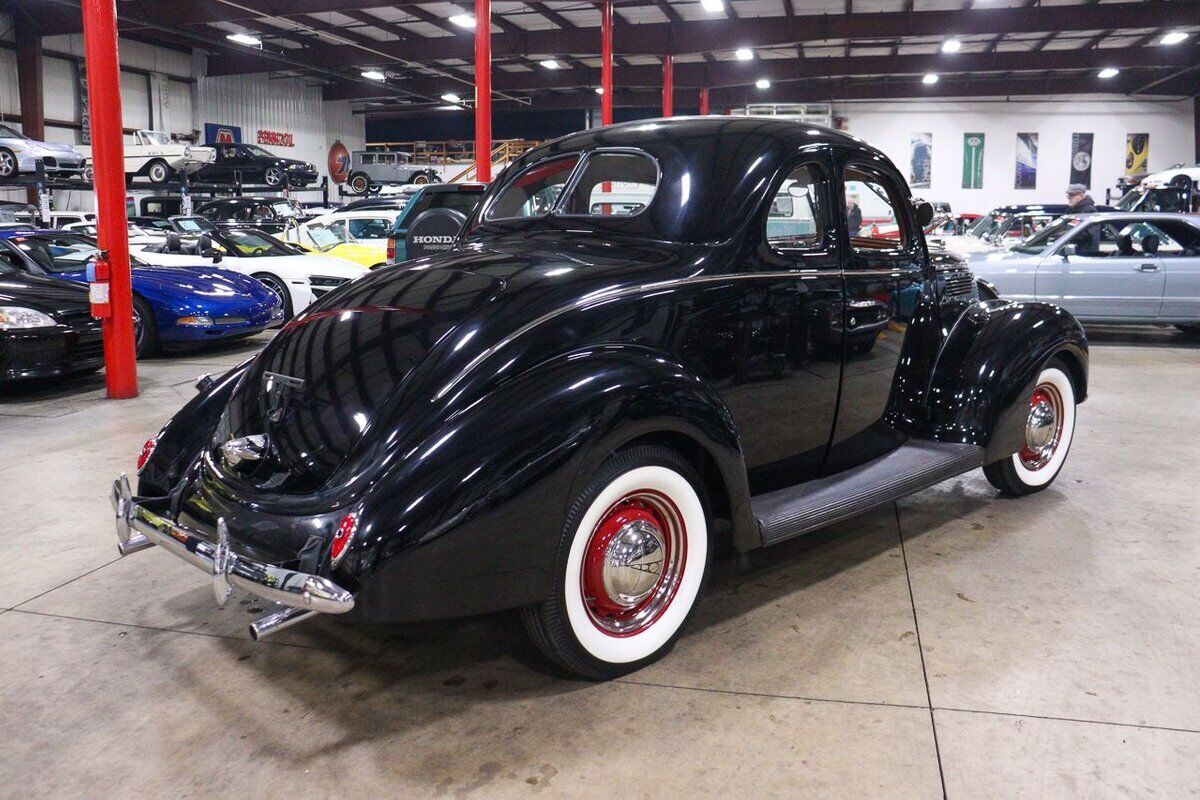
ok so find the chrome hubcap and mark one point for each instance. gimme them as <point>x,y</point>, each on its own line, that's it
<point>633,562</point>
<point>1043,428</point>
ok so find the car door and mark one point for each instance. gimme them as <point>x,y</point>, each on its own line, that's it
<point>886,282</point>
<point>770,342</point>
<point>1101,273</point>
<point>1178,249</point>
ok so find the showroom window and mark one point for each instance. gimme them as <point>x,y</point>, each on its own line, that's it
<point>534,192</point>
<point>613,185</point>
<point>871,217</point>
<point>799,211</point>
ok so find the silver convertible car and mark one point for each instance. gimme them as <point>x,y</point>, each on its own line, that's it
<point>1125,268</point>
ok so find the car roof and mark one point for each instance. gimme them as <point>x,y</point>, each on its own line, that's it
<point>1150,216</point>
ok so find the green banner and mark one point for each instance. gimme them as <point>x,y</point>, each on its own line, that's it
<point>972,161</point>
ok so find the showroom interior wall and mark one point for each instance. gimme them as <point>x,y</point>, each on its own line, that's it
<point>890,126</point>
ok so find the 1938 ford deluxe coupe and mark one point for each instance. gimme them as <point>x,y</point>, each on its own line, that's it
<point>574,408</point>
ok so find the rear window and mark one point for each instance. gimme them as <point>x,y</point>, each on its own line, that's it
<point>535,191</point>
<point>613,185</point>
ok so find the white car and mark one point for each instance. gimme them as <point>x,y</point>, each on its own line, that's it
<point>1176,189</point>
<point>369,227</point>
<point>297,278</point>
<point>155,155</point>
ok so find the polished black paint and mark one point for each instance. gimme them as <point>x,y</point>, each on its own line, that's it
<point>73,344</point>
<point>459,403</point>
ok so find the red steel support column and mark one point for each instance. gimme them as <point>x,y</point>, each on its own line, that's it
<point>29,85</point>
<point>704,102</point>
<point>108,156</point>
<point>668,86</point>
<point>606,62</point>
<point>483,90</point>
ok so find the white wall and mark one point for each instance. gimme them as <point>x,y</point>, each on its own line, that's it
<point>889,125</point>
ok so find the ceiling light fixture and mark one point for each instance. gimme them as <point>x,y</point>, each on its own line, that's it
<point>245,38</point>
<point>463,21</point>
<point>713,6</point>
<point>929,79</point>
<point>1108,72</point>
<point>374,75</point>
<point>763,83</point>
<point>951,46</point>
<point>743,54</point>
<point>1174,37</point>
<point>599,90</point>
<point>450,97</point>
<point>550,63</point>
<point>451,108</point>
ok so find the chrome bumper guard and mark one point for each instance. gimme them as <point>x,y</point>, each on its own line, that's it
<point>301,594</point>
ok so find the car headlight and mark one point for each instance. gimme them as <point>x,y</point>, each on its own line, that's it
<point>194,321</point>
<point>16,318</point>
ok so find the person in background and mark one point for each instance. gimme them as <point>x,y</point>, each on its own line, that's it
<point>853,215</point>
<point>1082,203</point>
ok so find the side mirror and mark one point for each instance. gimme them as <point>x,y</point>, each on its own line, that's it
<point>216,256</point>
<point>1068,251</point>
<point>924,214</point>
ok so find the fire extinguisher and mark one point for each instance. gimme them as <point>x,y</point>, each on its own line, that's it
<point>99,273</point>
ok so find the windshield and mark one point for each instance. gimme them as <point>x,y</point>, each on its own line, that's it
<point>326,237</point>
<point>1046,236</point>
<point>255,150</point>
<point>983,225</point>
<point>9,133</point>
<point>156,137</point>
<point>1129,201</point>
<point>62,253</point>
<point>255,244</point>
<point>191,224</point>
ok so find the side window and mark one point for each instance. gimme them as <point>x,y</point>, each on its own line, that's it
<point>1179,239</point>
<point>368,159</point>
<point>534,192</point>
<point>613,185</point>
<point>872,201</point>
<point>374,228</point>
<point>799,211</point>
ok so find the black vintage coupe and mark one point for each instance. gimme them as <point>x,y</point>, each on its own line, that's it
<point>652,340</point>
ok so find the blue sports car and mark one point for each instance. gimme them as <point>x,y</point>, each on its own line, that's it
<point>174,305</point>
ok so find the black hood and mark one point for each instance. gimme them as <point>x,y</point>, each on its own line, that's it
<point>57,298</point>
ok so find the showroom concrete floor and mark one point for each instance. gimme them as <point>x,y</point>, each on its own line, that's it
<point>1057,642</point>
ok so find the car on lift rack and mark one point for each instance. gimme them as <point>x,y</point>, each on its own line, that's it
<point>271,214</point>
<point>46,326</point>
<point>574,408</point>
<point>253,165</point>
<point>159,158</point>
<point>173,306</point>
<point>20,154</point>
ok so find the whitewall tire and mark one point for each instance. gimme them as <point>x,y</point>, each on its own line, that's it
<point>632,560</point>
<point>1049,430</point>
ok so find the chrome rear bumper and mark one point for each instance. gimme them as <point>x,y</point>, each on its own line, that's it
<point>300,593</point>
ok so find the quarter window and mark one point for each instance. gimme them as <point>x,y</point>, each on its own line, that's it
<point>613,185</point>
<point>799,211</point>
<point>871,218</point>
<point>535,191</point>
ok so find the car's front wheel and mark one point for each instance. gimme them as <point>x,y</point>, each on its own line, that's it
<point>279,287</point>
<point>1049,429</point>
<point>8,163</point>
<point>274,177</point>
<point>631,562</point>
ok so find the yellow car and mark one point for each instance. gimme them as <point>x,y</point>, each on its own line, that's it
<point>337,242</point>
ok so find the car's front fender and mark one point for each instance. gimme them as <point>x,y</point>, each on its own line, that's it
<point>987,368</point>
<point>470,519</point>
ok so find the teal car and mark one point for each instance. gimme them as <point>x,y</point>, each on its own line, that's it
<point>460,197</point>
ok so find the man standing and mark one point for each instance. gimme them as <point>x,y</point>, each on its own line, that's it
<point>853,215</point>
<point>1081,202</point>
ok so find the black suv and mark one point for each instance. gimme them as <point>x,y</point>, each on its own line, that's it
<point>254,165</point>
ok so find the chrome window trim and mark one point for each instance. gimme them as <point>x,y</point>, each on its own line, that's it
<point>578,175</point>
<point>580,158</point>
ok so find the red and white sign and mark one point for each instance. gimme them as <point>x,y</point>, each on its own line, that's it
<point>276,138</point>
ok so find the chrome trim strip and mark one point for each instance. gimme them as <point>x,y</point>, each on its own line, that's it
<point>138,528</point>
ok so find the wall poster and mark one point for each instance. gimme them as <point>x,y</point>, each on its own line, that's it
<point>1137,153</point>
<point>972,173</point>
<point>1081,159</point>
<point>920,160</point>
<point>1027,157</point>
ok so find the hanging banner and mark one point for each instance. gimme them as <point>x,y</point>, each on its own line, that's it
<point>1027,156</point>
<point>921,160</point>
<point>1137,153</point>
<point>85,117</point>
<point>972,172</point>
<point>1081,159</point>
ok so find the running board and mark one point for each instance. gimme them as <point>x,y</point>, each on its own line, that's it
<point>814,504</point>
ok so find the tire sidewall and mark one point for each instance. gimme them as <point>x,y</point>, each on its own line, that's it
<point>1057,377</point>
<point>673,478</point>
<point>277,174</point>
<point>12,158</point>
<point>158,165</point>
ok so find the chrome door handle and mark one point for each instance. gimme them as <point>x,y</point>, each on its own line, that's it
<point>1148,268</point>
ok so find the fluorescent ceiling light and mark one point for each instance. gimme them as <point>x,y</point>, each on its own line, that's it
<point>450,97</point>
<point>463,21</point>
<point>245,38</point>
<point>763,83</point>
<point>712,6</point>
<point>374,75</point>
<point>930,79</point>
<point>951,46</point>
<point>550,63</point>
<point>1174,37</point>
<point>1108,72</point>
<point>451,108</point>
<point>599,90</point>
<point>744,53</point>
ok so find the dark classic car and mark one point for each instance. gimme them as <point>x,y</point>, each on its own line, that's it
<point>270,214</point>
<point>251,164</point>
<point>572,410</point>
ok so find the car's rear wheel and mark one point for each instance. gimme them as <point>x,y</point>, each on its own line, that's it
<point>1049,429</point>
<point>421,178</point>
<point>158,172</point>
<point>8,163</point>
<point>631,562</point>
<point>360,183</point>
<point>277,285</point>
<point>145,329</point>
<point>274,177</point>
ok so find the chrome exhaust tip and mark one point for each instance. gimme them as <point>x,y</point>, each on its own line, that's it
<point>284,617</point>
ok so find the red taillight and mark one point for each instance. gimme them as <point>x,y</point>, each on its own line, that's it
<point>147,451</point>
<point>341,539</point>
<point>391,248</point>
